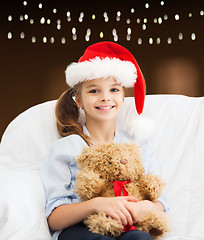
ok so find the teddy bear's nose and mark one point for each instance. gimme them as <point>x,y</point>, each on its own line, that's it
<point>123,161</point>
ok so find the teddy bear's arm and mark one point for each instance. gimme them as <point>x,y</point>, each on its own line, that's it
<point>151,187</point>
<point>89,184</point>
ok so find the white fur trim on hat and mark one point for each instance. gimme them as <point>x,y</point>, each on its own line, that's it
<point>123,71</point>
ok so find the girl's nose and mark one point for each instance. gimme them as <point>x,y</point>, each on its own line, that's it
<point>105,97</point>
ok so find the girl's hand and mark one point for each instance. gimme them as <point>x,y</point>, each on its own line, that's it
<point>116,208</point>
<point>143,208</point>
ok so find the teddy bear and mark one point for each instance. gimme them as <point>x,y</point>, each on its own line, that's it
<point>116,169</point>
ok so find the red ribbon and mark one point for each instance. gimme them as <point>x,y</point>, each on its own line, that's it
<point>119,187</point>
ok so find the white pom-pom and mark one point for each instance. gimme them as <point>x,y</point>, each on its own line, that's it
<point>140,128</point>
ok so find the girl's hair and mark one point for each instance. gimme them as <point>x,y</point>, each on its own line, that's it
<point>67,115</point>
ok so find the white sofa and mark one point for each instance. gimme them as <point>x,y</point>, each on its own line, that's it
<point>178,139</point>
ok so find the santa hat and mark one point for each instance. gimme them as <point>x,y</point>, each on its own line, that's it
<point>106,59</point>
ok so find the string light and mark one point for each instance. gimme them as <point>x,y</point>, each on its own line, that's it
<point>81,16</point>
<point>146,5</point>
<point>63,40</point>
<point>144,27</point>
<point>115,38</point>
<point>88,34</point>
<point>42,20</point>
<point>22,35</point>
<point>150,40</point>
<point>115,35</point>
<point>128,37</point>
<point>165,17</point>
<point>101,34</point>
<point>118,16</point>
<point>157,20</point>
<point>129,31</point>
<point>33,39</point>
<point>87,38</point>
<point>73,30</point>
<point>52,40</point>
<point>58,24</point>
<point>158,40</point>
<point>139,41</point>
<point>9,35</point>
<point>169,40</point>
<point>114,32</point>
<point>180,36</point>
<point>176,17</point>
<point>160,20</point>
<point>44,39</point>
<point>74,35</point>
<point>193,36</point>
<point>106,16</point>
<point>10,18</point>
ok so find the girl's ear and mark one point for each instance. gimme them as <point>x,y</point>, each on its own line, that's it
<point>123,94</point>
<point>78,101</point>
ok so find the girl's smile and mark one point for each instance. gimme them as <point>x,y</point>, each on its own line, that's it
<point>105,108</point>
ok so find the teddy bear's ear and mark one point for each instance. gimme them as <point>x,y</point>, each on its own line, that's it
<point>133,149</point>
<point>91,155</point>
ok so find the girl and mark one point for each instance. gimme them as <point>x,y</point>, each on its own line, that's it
<point>97,82</point>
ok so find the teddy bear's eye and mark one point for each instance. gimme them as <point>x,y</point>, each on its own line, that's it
<point>110,162</point>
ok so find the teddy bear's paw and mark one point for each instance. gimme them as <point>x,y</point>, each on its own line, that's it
<point>152,187</point>
<point>101,224</point>
<point>155,224</point>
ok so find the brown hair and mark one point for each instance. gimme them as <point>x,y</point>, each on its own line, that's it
<point>67,115</point>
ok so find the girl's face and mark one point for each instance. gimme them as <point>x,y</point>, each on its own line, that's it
<point>101,99</point>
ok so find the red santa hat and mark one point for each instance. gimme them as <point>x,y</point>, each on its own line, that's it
<point>106,59</point>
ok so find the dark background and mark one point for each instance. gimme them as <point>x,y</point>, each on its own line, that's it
<point>31,73</point>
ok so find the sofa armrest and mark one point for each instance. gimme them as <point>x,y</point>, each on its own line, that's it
<point>22,200</point>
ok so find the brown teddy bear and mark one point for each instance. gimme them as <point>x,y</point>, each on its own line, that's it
<point>109,170</point>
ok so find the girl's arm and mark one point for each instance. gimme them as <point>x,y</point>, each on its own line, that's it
<point>115,207</point>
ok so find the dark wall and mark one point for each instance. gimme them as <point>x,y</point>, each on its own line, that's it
<point>31,73</point>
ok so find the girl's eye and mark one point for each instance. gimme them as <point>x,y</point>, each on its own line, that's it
<point>114,90</point>
<point>94,91</point>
